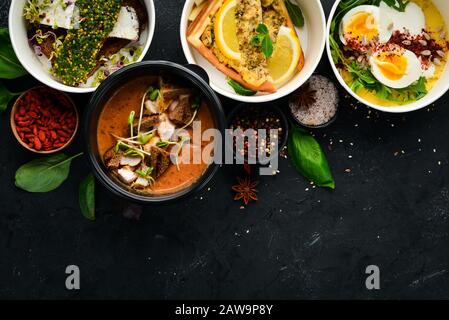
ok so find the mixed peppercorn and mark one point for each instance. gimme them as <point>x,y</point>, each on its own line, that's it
<point>254,117</point>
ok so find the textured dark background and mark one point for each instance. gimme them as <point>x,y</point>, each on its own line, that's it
<point>390,210</point>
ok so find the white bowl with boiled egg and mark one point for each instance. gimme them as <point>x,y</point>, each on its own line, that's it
<point>392,58</point>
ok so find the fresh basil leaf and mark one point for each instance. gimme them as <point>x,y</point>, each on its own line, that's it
<point>5,97</point>
<point>10,67</point>
<point>257,40</point>
<point>267,47</point>
<point>44,174</point>
<point>295,14</point>
<point>262,28</point>
<point>86,197</point>
<point>239,89</point>
<point>309,159</point>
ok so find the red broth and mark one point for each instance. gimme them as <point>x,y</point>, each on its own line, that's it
<point>113,119</point>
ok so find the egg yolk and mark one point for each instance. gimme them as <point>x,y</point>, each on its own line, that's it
<point>392,66</point>
<point>360,25</point>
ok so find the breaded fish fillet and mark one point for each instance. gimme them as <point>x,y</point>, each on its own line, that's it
<point>251,71</point>
<point>253,63</point>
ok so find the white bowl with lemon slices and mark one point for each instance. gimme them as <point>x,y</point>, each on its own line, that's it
<point>293,45</point>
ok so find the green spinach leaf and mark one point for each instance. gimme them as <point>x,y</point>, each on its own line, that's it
<point>87,197</point>
<point>309,159</point>
<point>5,97</point>
<point>10,67</point>
<point>44,174</point>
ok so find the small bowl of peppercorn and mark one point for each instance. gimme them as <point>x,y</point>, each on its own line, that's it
<point>260,144</point>
<point>44,120</point>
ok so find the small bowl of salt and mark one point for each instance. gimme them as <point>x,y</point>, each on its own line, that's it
<point>315,104</point>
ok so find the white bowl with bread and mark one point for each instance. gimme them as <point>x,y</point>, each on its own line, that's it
<point>225,37</point>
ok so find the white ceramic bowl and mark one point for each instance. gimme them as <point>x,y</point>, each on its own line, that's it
<point>27,57</point>
<point>440,88</point>
<point>313,38</point>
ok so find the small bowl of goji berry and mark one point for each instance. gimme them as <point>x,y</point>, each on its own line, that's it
<point>44,120</point>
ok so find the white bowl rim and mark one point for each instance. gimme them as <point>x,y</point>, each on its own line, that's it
<point>262,98</point>
<point>394,109</point>
<point>52,83</point>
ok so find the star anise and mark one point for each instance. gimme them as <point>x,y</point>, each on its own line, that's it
<point>245,190</point>
<point>305,96</point>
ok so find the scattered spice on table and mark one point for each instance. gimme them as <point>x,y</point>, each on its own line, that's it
<point>257,117</point>
<point>315,103</point>
<point>245,190</point>
<point>45,119</point>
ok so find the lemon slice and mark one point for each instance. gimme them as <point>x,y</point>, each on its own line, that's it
<point>282,64</point>
<point>225,29</point>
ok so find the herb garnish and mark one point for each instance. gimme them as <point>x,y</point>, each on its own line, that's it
<point>135,153</point>
<point>5,97</point>
<point>164,143</point>
<point>10,67</point>
<point>239,89</point>
<point>263,40</point>
<point>128,149</point>
<point>145,173</point>
<point>32,8</point>
<point>196,102</point>
<point>131,121</point>
<point>144,138</point>
<point>295,13</point>
<point>154,94</point>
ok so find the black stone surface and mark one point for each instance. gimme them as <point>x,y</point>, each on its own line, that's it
<point>390,210</point>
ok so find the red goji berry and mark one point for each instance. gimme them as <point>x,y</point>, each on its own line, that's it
<point>37,144</point>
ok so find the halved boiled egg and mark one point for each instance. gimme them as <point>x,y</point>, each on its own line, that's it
<point>362,24</point>
<point>412,20</point>
<point>397,68</point>
<point>429,70</point>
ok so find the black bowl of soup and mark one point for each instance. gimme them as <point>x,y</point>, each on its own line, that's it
<point>148,130</point>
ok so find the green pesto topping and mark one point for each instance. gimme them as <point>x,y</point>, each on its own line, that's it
<point>78,55</point>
